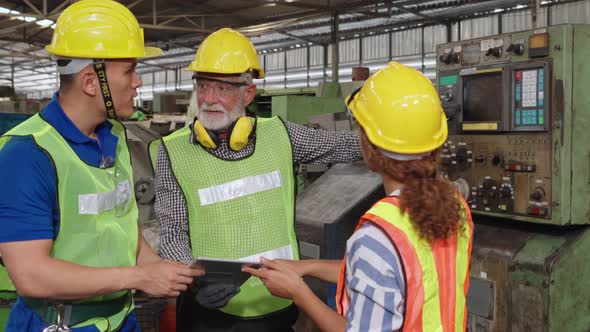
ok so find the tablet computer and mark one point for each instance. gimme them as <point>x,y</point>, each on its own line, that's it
<point>224,271</point>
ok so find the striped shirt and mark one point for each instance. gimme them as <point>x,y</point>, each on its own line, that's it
<point>374,282</point>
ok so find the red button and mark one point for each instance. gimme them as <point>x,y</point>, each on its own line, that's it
<point>518,76</point>
<point>535,211</point>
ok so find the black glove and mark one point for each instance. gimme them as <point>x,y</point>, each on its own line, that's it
<point>215,295</point>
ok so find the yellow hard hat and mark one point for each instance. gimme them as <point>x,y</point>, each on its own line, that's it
<point>400,111</point>
<point>99,29</point>
<point>226,51</point>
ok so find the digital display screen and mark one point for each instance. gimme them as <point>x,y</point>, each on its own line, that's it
<point>482,97</point>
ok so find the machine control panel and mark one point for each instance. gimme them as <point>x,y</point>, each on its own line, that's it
<point>529,98</point>
<point>484,51</point>
<point>502,174</point>
<point>517,116</point>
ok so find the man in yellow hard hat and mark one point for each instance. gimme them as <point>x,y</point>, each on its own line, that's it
<point>407,264</point>
<point>70,239</point>
<point>225,188</point>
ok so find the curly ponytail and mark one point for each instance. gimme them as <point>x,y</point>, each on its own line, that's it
<point>430,201</point>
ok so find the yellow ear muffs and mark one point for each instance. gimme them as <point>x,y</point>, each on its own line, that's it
<point>240,133</point>
<point>204,137</point>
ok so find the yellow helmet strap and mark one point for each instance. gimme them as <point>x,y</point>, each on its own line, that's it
<point>100,69</point>
<point>238,134</point>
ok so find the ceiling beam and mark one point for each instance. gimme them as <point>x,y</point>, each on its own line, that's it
<point>415,12</point>
<point>172,19</point>
<point>22,54</point>
<point>146,63</point>
<point>59,7</point>
<point>202,26</point>
<point>300,4</point>
<point>24,68</point>
<point>35,9</point>
<point>134,3</point>
<point>301,39</point>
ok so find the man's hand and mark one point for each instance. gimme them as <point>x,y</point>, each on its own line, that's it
<point>279,277</point>
<point>166,278</point>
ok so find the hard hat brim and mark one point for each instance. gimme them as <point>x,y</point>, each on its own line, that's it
<point>149,52</point>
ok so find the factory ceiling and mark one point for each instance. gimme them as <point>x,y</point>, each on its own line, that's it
<point>178,26</point>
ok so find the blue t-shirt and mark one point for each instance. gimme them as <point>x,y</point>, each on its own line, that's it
<point>28,196</point>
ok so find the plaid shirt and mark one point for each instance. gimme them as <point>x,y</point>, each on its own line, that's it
<point>310,146</point>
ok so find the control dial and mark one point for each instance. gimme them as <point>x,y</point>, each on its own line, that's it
<point>497,159</point>
<point>495,52</point>
<point>538,194</point>
<point>517,49</point>
<point>481,158</point>
<point>461,155</point>
<point>445,58</point>
<point>506,192</point>
<point>448,95</point>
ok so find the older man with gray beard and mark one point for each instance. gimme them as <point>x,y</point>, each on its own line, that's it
<point>225,188</point>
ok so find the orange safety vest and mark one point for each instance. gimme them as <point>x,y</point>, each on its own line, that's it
<point>436,274</point>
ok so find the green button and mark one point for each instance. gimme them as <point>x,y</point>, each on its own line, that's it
<point>541,120</point>
<point>448,80</point>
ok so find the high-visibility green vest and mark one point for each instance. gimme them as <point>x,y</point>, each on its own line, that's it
<point>6,286</point>
<point>98,214</point>
<point>240,209</point>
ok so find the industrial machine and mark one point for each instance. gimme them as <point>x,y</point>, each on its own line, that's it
<point>322,108</point>
<point>518,117</point>
<point>327,212</point>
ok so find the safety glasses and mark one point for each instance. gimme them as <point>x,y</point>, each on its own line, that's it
<point>219,87</point>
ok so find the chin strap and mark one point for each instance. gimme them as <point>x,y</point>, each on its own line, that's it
<point>100,69</point>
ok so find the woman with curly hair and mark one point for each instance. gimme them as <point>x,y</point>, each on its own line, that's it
<point>407,263</point>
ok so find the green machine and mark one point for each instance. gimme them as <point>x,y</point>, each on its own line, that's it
<point>322,107</point>
<point>519,112</point>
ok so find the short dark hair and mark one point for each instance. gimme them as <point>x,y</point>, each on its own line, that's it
<point>66,81</point>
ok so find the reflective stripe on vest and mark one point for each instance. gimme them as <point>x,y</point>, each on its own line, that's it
<point>239,209</point>
<point>437,276</point>
<point>93,231</point>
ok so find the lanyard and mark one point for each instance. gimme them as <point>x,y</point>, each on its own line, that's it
<point>100,69</point>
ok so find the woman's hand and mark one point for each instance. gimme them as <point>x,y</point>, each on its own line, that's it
<point>299,267</point>
<point>280,277</point>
